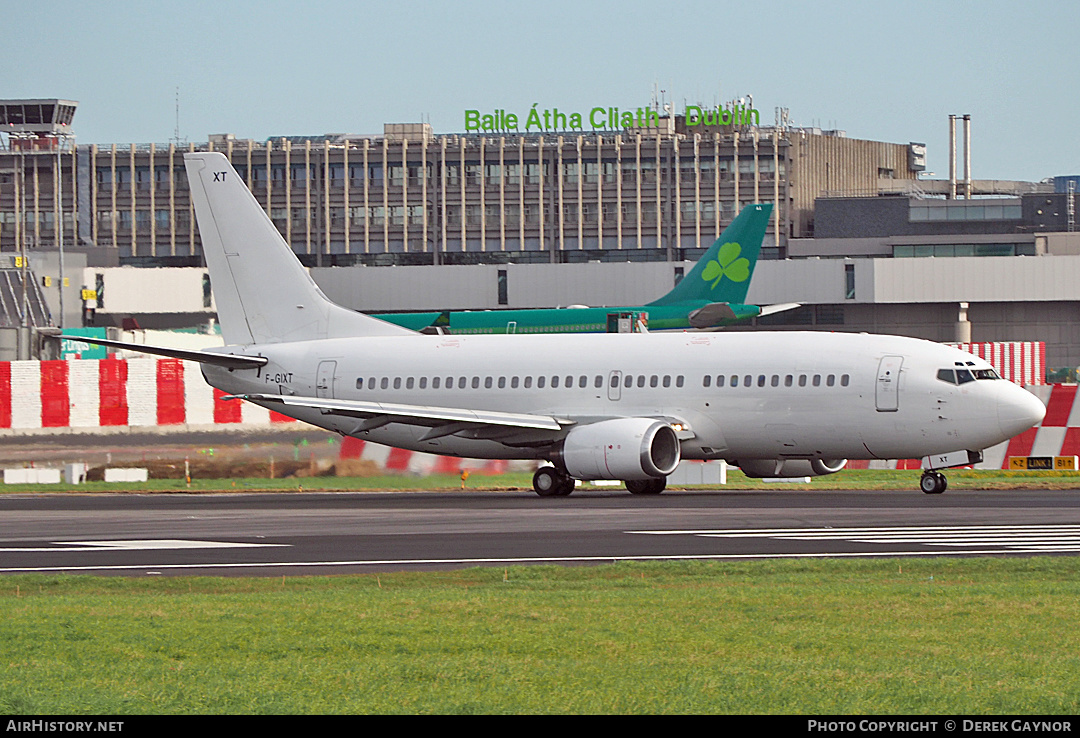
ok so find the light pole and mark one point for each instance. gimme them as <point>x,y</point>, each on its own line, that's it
<point>24,318</point>
<point>59,193</point>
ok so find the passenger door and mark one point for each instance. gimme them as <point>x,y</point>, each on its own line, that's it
<point>887,391</point>
<point>324,380</point>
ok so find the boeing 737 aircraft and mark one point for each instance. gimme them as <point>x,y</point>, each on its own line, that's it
<point>614,406</point>
<point>709,297</point>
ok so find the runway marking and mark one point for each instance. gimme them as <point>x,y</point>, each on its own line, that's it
<point>156,568</point>
<point>967,540</point>
<point>1029,538</point>
<point>160,544</point>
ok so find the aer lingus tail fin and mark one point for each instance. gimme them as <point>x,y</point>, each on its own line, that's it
<point>723,272</point>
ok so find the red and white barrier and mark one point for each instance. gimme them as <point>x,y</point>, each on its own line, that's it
<point>1023,362</point>
<point>1057,435</point>
<point>398,460</point>
<point>93,395</point>
<point>87,394</point>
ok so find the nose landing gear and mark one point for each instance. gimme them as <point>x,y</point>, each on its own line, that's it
<point>933,482</point>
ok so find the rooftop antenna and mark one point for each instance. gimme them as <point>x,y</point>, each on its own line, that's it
<point>176,130</point>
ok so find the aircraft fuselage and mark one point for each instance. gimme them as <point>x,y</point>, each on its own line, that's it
<point>675,317</point>
<point>745,395</point>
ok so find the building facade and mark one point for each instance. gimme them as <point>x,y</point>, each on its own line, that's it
<point>411,197</point>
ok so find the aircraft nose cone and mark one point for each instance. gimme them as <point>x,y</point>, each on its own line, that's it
<point>1018,410</point>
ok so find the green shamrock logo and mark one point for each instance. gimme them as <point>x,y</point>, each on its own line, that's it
<point>727,264</point>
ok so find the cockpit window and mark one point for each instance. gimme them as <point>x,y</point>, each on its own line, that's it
<point>963,376</point>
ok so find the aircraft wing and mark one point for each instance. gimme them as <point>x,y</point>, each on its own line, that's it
<point>442,421</point>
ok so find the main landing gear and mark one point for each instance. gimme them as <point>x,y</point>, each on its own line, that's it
<point>646,486</point>
<point>933,482</point>
<point>550,482</point>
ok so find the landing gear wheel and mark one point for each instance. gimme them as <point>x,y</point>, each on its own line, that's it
<point>646,486</point>
<point>933,483</point>
<point>546,481</point>
<point>550,482</point>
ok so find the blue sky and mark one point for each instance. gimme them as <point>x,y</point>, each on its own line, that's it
<point>889,72</point>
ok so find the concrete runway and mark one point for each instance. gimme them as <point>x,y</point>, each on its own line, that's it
<point>297,534</point>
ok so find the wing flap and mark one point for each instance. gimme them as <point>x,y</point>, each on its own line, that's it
<point>452,419</point>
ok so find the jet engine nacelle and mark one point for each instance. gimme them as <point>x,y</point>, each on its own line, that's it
<point>624,448</point>
<point>790,467</point>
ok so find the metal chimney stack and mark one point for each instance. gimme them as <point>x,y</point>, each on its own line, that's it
<point>967,156</point>
<point>952,157</point>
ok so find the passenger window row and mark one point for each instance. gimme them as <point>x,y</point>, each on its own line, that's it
<point>653,380</point>
<point>625,380</point>
<point>554,381</point>
<point>569,328</point>
<point>761,380</point>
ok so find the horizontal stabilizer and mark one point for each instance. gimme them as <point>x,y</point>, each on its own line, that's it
<point>778,308</point>
<point>711,315</point>
<point>229,361</point>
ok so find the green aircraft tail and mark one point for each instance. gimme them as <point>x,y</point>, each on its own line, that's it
<point>723,272</point>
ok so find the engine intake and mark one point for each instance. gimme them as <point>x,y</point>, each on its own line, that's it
<point>624,448</point>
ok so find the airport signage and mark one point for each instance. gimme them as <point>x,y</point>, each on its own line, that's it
<point>75,349</point>
<point>1043,463</point>
<point>740,115</point>
<point>542,120</point>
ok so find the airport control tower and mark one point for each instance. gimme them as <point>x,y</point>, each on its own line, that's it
<point>38,198</point>
<point>36,125</point>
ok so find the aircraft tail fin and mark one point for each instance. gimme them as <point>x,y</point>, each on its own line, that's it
<point>263,293</point>
<point>723,272</point>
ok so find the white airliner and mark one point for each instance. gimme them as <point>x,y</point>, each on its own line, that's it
<point>602,406</point>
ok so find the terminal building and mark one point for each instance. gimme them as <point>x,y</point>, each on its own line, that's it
<point>409,197</point>
<point>552,219</point>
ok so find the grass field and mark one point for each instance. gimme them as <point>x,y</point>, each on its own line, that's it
<point>964,636</point>
<point>848,479</point>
